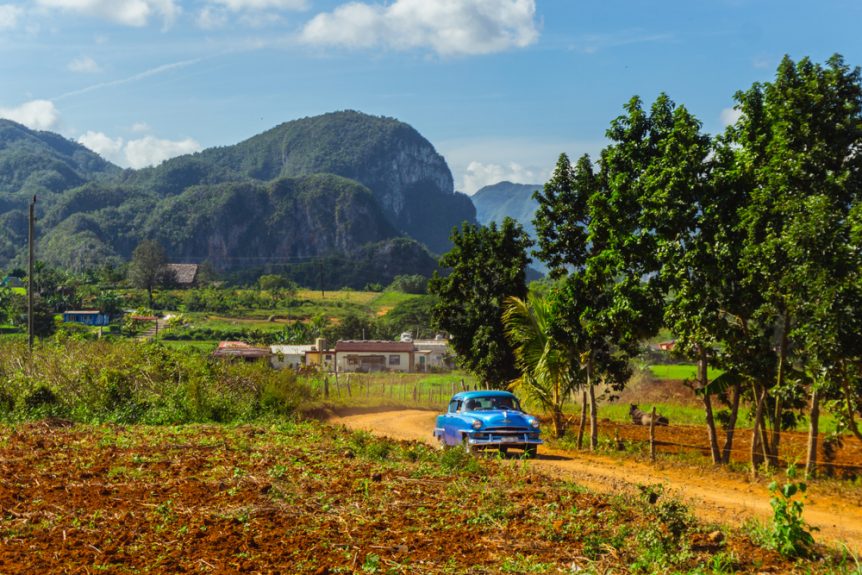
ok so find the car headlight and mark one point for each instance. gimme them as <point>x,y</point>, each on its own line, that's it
<point>534,423</point>
<point>477,424</point>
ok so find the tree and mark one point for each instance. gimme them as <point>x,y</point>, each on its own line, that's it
<point>146,270</point>
<point>486,265</point>
<point>798,142</point>
<point>546,364</point>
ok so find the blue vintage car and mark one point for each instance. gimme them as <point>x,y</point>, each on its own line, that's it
<point>487,420</point>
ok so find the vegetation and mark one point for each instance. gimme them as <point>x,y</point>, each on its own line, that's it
<point>256,497</point>
<point>485,267</point>
<point>324,211</point>
<point>745,246</point>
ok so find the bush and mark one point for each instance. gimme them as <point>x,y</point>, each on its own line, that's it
<point>132,382</point>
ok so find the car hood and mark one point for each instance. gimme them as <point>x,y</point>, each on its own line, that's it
<point>500,418</point>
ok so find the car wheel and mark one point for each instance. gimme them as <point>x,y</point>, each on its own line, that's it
<point>530,451</point>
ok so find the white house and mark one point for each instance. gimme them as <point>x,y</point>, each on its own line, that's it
<point>292,356</point>
<point>433,354</point>
<point>374,356</point>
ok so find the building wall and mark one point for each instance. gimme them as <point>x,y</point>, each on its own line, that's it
<point>393,361</point>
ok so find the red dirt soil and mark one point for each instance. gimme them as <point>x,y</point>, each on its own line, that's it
<point>713,495</point>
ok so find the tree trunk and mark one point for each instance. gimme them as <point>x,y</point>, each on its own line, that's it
<point>594,424</point>
<point>779,387</point>
<point>558,422</point>
<point>702,374</point>
<point>813,431</point>
<point>731,425</point>
<point>583,424</point>
<point>150,297</point>
<point>759,399</point>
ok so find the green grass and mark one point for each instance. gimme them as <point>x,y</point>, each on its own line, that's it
<point>389,299</point>
<point>679,371</point>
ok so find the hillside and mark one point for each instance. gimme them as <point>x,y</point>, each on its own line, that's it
<point>343,186</point>
<point>495,202</point>
<point>408,178</point>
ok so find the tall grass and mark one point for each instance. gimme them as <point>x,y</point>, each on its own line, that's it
<point>132,382</point>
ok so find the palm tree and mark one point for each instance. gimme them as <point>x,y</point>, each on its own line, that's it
<point>546,364</point>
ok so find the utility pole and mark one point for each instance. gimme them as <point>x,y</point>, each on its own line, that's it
<point>30,282</point>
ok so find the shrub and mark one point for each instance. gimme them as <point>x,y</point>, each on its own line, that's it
<point>789,535</point>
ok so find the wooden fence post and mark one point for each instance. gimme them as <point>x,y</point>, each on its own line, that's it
<point>349,393</point>
<point>415,396</point>
<point>326,386</point>
<point>652,436</point>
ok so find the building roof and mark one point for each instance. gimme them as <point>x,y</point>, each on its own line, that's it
<point>184,274</point>
<point>372,346</point>
<point>83,312</point>
<point>291,349</point>
<point>240,349</point>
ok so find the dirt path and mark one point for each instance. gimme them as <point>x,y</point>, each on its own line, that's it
<point>714,496</point>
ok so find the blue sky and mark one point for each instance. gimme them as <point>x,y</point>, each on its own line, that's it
<point>500,87</point>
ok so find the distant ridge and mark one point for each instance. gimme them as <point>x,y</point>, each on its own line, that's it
<point>344,185</point>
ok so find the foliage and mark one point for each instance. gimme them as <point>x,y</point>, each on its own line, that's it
<point>789,535</point>
<point>146,270</point>
<point>131,382</point>
<point>302,191</point>
<point>486,265</point>
<point>415,284</point>
<point>547,365</point>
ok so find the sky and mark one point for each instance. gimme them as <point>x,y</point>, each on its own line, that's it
<point>499,87</point>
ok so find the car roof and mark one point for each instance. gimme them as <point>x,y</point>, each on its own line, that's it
<point>482,393</point>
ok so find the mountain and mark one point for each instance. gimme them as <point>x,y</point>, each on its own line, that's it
<point>495,202</point>
<point>409,179</point>
<point>367,193</point>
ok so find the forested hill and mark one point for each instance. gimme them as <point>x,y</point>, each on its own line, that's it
<point>339,185</point>
<point>410,181</point>
<point>495,202</point>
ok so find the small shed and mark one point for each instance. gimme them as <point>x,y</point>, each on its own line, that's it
<point>292,356</point>
<point>12,282</point>
<point>184,275</point>
<point>87,317</point>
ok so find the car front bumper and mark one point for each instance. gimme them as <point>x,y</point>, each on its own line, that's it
<point>503,438</point>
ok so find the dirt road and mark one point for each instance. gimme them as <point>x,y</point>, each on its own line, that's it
<point>713,496</point>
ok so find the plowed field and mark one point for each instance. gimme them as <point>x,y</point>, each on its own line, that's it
<point>307,498</point>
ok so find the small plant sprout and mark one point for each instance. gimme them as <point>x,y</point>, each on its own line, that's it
<point>790,534</point>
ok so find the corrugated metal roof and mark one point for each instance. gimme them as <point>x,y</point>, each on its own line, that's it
<point>378,346</point>
<point>291,349</point>
<point>184,274</point>
<point>240,349</point>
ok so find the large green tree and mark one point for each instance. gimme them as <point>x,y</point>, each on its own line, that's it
<point>798,142</point>
<point>146,270</point>
<point>485,266</point>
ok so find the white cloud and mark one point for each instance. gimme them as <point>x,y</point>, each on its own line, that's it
<point>594,43</point>
<point>211,18</point>
<point>239,5</point>
<point>730,116</point>
<point>84,65</point>
<point>139,153</point>
<point>9,14</point>
<point>109,148</point>
<point>476,162</point>
<point>35,114</point>
<point>140,127</point>
<point>449,27</point>
<point>125,12</point>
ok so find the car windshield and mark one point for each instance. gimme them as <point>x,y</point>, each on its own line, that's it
<point>492,402</point>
